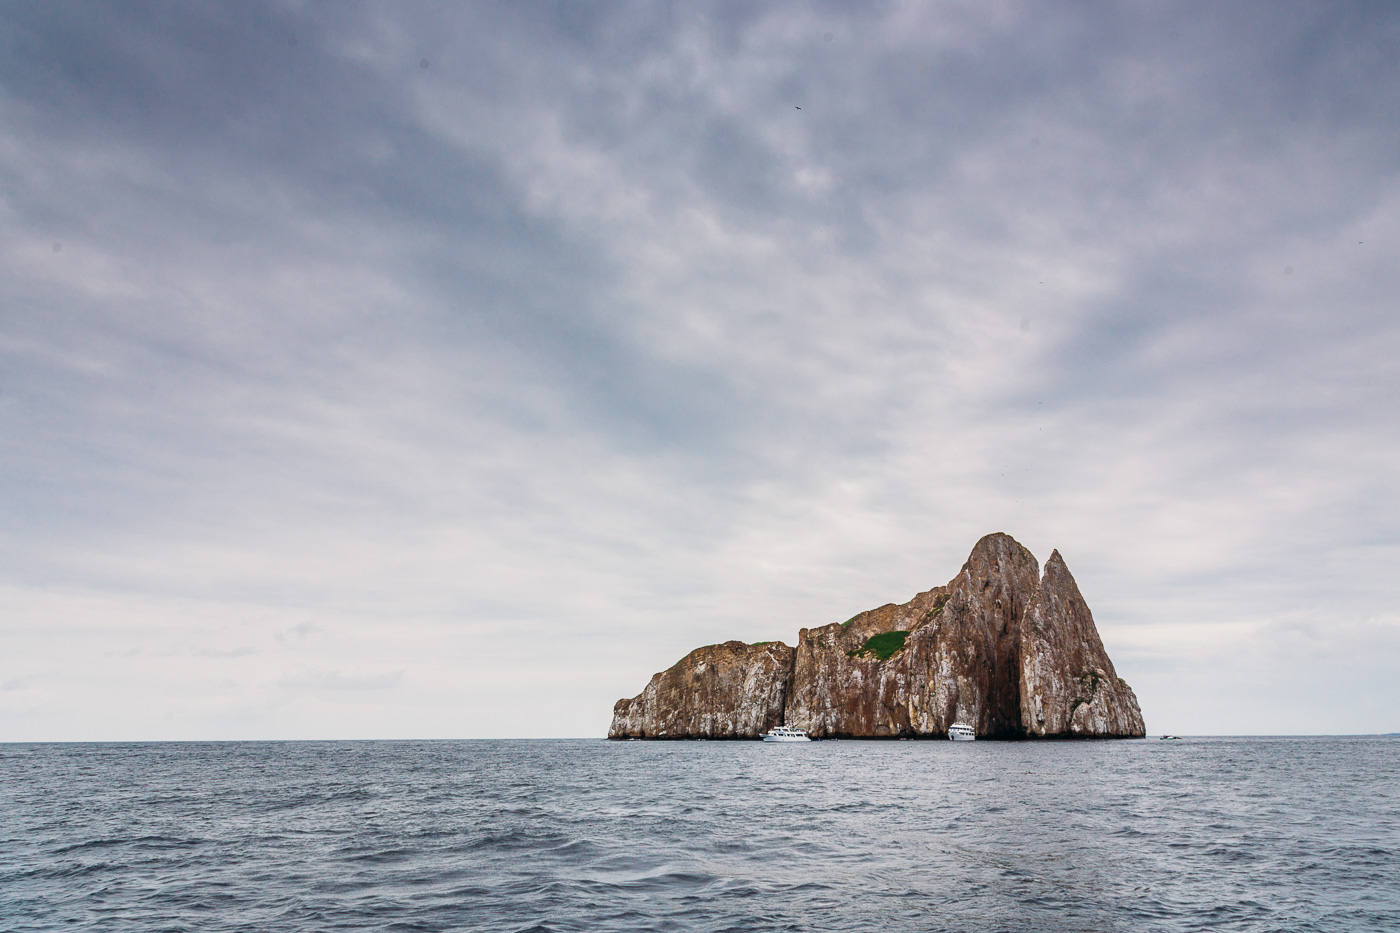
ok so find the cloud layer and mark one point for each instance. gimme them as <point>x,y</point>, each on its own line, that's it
<point>440,371</point>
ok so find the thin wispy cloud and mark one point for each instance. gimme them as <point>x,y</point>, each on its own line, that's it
<point>318,680</point>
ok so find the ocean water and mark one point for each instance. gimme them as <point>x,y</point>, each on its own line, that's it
<point>1288,834</point>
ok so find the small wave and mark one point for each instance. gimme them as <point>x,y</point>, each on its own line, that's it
<point>575,848</point>
<point>381,857</point>
<point>135,842</point>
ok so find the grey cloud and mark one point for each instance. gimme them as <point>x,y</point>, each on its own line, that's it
<point>338,680</point>
<point>242,651</point>
<point>300,630</point>
<point>584,327</point>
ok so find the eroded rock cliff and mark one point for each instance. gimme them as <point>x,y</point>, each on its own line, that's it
<point>1010,651</point>
<point>849,680</point>
<point>1068,684</point>
<point>728,691</point>
<point>963,660</point>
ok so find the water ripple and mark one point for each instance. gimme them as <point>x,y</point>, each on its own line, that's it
<point>1229,834</point>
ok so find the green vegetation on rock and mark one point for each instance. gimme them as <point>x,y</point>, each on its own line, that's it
<point>881,646</point>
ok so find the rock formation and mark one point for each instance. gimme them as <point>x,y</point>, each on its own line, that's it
<point>728,691</point>
<point>1009,651</point>
<point>841,687</point>
<point>1068,685</point>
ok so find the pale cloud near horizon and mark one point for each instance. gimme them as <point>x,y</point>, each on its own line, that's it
<point>442,370</point>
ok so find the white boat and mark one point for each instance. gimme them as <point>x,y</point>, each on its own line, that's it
<point>785,734</point>
<point>961,732</point>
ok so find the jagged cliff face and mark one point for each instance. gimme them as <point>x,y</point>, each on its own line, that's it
<point>1001,647</point>
<point>966,657</point>
<point>840,690</point>
<point>727,691</point>
<point>1068,684</point>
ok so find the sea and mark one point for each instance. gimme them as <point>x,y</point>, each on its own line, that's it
<point>1217,834</point>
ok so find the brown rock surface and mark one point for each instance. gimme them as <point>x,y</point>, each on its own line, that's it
<point>1068,684</point>
<point>839,691</point>
<point>1001,647</point>
<point>728,691</point>
<point>964,659</point>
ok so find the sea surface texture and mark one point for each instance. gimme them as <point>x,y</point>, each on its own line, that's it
<point>1203,834</point>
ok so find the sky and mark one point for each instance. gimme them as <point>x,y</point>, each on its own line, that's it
<point>376,370</point>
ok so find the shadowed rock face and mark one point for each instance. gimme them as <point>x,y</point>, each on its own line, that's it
<point>965,658</point>
<point>1001,647</point>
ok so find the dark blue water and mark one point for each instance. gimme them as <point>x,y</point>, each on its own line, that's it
<point>1219,834</point>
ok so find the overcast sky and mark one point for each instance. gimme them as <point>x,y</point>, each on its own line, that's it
<point>386,370</point>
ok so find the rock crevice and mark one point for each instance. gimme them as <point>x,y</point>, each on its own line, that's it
<point>1007,649</point>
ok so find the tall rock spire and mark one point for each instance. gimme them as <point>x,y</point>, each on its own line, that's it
<point>964,659</point>
<point>1068,684</point>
